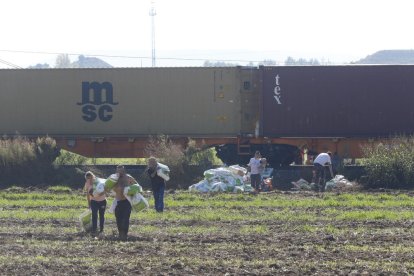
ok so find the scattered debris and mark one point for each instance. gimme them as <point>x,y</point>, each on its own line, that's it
<point>339,182</point>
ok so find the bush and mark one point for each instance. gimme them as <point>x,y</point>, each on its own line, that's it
<point>70,158</point>
<point>181,160</point>
<point>168,153</point>
<point>23,160</point>
<point>390,164</point>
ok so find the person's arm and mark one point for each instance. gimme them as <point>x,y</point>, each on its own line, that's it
<point>88,196</point>
<point>330,169</point>
<point>152,172</point>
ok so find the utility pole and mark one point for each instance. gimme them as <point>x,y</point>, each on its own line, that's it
<point>152,13</point>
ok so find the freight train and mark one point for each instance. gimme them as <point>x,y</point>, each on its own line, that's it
<point>283,111</point>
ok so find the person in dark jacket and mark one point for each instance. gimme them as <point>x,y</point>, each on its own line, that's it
<point>157,184</point>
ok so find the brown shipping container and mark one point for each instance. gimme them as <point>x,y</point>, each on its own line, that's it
<point>338,101</point>
<point>121,101</point>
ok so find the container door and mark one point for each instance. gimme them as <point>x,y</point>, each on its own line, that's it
<point>250,99</point>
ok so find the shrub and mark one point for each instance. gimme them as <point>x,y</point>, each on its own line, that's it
<point>181,159</point>
<point>70,158</point>
<point>167,152</point>
<point>23,160</point>
<point>390,164</point>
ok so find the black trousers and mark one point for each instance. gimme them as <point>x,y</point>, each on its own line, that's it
<point>98,207</point>
<point>319,176</point>
<point>122,214</point>
<point>255,181</point>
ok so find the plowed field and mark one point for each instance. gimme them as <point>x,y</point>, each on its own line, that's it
<point>233,234</point>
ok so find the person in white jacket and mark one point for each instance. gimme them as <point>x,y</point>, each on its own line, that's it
<point>319,173</point>
<point>255,165</point>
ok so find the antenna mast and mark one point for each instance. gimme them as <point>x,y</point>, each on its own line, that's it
<point>152,13</point>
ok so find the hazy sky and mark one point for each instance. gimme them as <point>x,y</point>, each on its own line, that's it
<point>340,31</point>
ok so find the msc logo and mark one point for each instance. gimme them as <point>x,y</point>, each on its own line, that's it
<point>97,101</point>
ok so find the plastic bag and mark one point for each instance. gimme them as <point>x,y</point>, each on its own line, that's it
<point>111,181</point>
<point>163,171</point>
<point>99,189</point>
<point>219,187</point>
<point>203,186</point>
<point>138,202</point>
<point>238,170</point>
<point>238,189</point>
<point>330,185</point>
<point>85,220</point>
<point>133,189</point>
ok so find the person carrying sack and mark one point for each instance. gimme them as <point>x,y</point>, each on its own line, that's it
<point>157,184</point>
<point>123,207</point>
<point>97,203</point>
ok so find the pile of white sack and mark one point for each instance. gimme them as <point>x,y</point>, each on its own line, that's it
<point>338,182</point>
<point>226,179</point>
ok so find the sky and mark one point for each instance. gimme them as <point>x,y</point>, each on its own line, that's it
<point>188,32</point>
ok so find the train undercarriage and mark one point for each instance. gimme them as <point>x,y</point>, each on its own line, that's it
<point>231,150</point>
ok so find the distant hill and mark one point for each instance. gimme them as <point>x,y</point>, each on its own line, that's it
<point>90,62</point>
<point>63,61</point>
<point>389,57</point>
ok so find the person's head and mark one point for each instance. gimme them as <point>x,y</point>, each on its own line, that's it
<point>152,162</point>
<point>120,169</point>
<point>257,154</point>
<point>89,175</point>
<point>329,153</point>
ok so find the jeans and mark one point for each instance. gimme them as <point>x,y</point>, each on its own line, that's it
<point>255,180</point>
<point>158,191</point>
<point>98,207</point>
<point>122,214</point>
<point>319,177</point>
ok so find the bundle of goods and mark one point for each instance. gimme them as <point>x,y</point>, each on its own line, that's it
<point>338,182</point>
<point>163,171</point>
<point>138,202</point>
<point>133,195</point>
<point>302,184</point>
<point>231,179</point>
<point>98,186</point>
